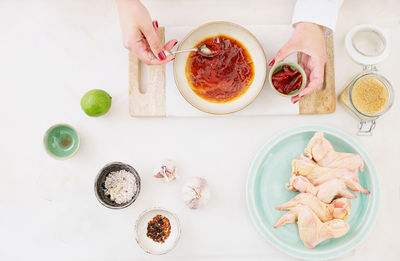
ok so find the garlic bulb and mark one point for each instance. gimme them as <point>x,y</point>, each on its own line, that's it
<point>167,170</point>
<point>196,192</point>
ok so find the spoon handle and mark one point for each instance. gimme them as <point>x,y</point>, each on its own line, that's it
<point>181,51</point>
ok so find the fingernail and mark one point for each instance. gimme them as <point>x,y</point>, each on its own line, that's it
<point>161,55</point>
<point>175,43</point>
<point>155,24</point>
<point>272,63</point>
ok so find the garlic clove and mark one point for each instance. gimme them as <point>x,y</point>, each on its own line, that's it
<point>167,171</point>
<point>196,192</point>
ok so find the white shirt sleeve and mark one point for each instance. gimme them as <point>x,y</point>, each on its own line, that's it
<point>322,12</point>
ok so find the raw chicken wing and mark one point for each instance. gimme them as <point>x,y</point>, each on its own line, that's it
<point>318,175</point>
<point>322,151</point>
<point>326,192</point>
<point>312,230</point>
<point>339,208</point>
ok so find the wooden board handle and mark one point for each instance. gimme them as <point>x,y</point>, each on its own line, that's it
<point>150,103</point>
<point>324,100</point>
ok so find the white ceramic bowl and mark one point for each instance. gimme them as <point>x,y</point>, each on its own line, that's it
<point>147,244</point>
<point>244,37</point>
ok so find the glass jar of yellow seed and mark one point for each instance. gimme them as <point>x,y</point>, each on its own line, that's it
<point>368,95</point>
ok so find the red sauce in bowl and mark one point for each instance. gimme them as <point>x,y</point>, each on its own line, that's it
<point>224,77</point>
<point>287,80</point>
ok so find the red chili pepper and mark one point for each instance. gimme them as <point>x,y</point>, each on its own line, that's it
<point>287,80</point>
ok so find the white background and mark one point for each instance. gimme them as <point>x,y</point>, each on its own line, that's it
<point>52,52</point>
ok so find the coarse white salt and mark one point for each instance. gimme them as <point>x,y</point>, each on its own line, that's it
<point>121,186</point>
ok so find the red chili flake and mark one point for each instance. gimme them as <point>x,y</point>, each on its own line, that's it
<point>159,229</point>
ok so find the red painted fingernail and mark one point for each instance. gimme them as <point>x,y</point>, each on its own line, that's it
<point>272,63</point>
<point>175,43</point>
<point>155,24</point>
<point>161,55</point>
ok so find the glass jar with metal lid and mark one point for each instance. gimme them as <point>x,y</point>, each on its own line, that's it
<point>368,95</point>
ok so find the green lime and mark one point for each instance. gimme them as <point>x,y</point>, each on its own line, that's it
<point>96,103</point>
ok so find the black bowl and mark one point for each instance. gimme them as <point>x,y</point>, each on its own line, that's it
<point>100,189</point>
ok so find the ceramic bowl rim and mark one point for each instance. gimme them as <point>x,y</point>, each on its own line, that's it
<point>264,76</point>
<point>291,64</point>
<point>53,127</point>
<point>158,209</point>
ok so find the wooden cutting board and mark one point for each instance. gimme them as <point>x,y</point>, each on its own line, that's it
<point>152,101</point>
<point>324,100</point>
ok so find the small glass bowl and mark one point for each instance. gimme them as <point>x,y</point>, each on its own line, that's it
<point>277,67</point>
<point>147,244</point>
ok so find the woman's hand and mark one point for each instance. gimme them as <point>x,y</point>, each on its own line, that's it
<point>307,38</point>
<point>140,33</point>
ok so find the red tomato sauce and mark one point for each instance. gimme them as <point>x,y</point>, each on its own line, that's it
<point>287,80</point>
<point>224,77</point>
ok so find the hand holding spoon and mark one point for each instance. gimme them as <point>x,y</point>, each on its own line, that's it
<point>203,50</point>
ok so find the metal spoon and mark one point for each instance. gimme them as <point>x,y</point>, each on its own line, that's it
<point>203,50</point>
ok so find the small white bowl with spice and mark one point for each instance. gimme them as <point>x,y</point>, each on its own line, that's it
<point>117,185</point>
<point>157,231</point>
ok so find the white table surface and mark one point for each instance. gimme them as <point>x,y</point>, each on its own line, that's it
<point>52,52</point>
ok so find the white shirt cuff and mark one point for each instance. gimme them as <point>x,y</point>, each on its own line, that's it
<point>322,12</point>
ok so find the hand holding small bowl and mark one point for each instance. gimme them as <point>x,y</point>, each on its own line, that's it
<point>287,79</point>
<point>307,38</point>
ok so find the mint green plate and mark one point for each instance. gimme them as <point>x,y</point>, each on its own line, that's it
<point>271,170</point>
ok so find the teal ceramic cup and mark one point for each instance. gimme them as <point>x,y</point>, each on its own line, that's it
<point>61,141</point>
<point>294,66</point>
